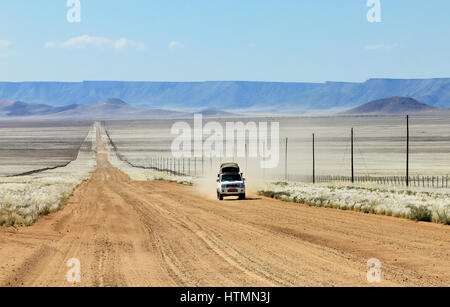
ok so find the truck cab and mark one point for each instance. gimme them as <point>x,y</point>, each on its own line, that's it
<point>230,181</point>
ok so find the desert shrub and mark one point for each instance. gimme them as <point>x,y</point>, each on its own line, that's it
<point>281,184</point>
<point>421,213</point>
<point>442,216</point>
<point>320,201</point>
<point>273,194</point>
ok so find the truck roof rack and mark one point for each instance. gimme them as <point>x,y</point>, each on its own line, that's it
<point>229,168</point>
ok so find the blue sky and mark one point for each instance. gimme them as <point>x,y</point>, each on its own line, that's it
<point>199,40</point>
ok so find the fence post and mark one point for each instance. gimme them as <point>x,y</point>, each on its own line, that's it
<point>314,159</point>
<point>353,165</point>
<point>407,151</point>
<point>285,161</point>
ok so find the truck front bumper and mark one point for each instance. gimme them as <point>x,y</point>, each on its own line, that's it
<point>232,192</point>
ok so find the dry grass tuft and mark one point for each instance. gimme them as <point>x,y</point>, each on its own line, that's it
<point>415,205</point>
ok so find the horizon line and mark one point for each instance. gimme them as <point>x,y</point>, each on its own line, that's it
<point>229,81</point>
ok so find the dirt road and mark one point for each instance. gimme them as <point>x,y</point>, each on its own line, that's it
<point>162,234</point>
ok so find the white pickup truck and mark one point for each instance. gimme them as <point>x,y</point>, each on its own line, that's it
<point>230,181</point>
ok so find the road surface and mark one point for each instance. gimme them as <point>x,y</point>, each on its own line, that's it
<point>127,233</point>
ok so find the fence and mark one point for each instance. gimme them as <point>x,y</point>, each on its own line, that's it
<point>414,181</point>
<point>196,167</point>
<point>178,167</point>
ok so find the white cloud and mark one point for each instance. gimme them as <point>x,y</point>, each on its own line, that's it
<point>49,45</point>
<point>5,44</point>
<point>175,45</point>
<point>128,43</point>
<point>85,41</point>
<point>381,46</point>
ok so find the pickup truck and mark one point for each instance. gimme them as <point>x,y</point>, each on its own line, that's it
<point>230,181</point>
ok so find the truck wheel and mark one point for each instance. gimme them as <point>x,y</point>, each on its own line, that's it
<point>220,196</point>
<point>242,196</point>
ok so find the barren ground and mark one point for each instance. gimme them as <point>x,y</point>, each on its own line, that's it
<point>162,234</point>
<point>29,146</point>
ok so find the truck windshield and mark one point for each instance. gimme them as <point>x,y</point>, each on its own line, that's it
<point>231,177</point>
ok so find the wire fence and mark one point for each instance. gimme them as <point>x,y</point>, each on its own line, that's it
<point>196,167</point>
<point>192,167</point>
<point>414,181</point>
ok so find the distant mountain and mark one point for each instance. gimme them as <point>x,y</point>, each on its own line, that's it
<point>267,97</point>
<point>213,112</point>
<point>19,108</point>
<point>394,105</point>
<point>109,109</point>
